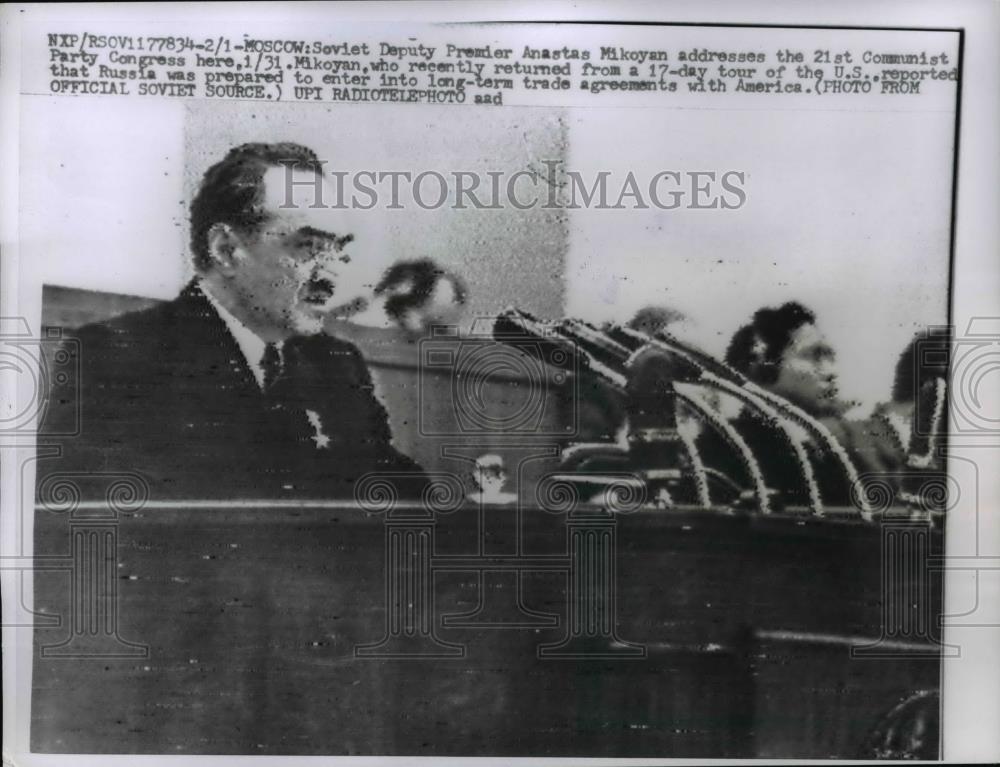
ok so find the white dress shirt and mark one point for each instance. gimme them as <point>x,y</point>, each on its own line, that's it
<point>253,348</point>
<point>251,345</point>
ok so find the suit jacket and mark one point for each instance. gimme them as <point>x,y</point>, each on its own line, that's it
<point>166,393</point>
<point>871,453</point>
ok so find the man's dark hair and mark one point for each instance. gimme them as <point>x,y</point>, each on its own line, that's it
<point>420,277</point>
<point>774,328</point>
<point>925,358</point>
<point>654,319</point>
<point>231,191</point>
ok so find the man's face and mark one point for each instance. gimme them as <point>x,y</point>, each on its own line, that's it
<point>299,267</point>
<point>807,374</point>
<point>443,307</point>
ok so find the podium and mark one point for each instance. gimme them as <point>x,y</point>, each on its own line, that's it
<point>265,627</point>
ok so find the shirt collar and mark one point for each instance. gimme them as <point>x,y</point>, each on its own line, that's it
<point>251,345</point>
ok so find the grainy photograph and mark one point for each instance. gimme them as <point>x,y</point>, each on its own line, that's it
<point>473,389</point>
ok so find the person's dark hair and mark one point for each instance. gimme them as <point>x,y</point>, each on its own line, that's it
<point>420,277</point>
<point>231,191</point>
<point>654,319</point>
<point>925,358</point>
<point>774,329</point>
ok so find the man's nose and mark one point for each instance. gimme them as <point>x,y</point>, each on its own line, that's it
<point>325,264</point>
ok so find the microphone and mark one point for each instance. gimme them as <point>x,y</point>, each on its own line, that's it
<point>643,373</point>
<point>617,356</point>
<point>645,369</point>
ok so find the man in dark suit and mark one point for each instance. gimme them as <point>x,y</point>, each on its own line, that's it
<point>232,389</point>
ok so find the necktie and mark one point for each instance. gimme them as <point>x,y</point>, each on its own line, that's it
<point>270,363</point>
<point>297,380</point>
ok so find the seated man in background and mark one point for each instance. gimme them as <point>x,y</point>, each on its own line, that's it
<point>922,366</point>
<point>420,294</point>
<point>233,389</point>
<point>783,350</point>
<point>915,420</point>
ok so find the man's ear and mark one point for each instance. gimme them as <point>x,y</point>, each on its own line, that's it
<point>757,363</point>
<point>224,248</point>
<point>758,350</point>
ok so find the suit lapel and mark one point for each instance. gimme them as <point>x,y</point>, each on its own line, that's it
<point>212,355</point>
<point>322,400</point>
